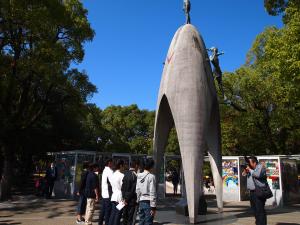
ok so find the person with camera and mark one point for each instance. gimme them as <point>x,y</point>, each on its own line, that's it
<point>258,187</point>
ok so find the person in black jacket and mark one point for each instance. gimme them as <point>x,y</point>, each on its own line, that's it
<point>175,181</point>
<point>82,198</point>
<point>129,193</point>
<point>91,191</point>
<point>51,175</point>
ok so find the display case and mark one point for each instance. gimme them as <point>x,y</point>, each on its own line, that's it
<point>290,180</point>
<point>231,178</point>
<point>283,174</point>
<point>273,170</point>
<point>69,167</point>
<point>282,177</point>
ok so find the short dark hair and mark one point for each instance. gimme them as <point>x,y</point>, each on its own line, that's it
<point>85,165</point>
<point>107,161</point>
<point>93,166</point>
<point>120,162</point>
<point>134,163</point>
<point>149,164</point>
<point>253,159</point>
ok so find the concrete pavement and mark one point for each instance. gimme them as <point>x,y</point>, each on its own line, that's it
<point>30,210</point>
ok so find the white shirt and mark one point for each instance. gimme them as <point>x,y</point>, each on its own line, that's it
<point>107,174</point>
<point>117,181</point>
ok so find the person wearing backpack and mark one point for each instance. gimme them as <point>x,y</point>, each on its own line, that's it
<point>128,192</point>
<point>259,189</point>
<point>146,193</point>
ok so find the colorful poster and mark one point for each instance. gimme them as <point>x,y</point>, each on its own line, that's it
<point>230,174</point>
<point>272,167</point>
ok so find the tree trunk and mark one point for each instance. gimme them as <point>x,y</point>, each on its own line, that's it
<point>6,176</point>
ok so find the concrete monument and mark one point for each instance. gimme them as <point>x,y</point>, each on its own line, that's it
<point>187,99</point>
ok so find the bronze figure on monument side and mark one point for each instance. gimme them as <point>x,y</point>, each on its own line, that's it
<point>214,58</point>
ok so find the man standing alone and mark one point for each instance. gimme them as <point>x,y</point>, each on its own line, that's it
<point>128,193</point>
<point>51,175</point>
<point>106,192</point>
<point>256,178</point>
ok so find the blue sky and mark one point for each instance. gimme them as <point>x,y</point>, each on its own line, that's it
<point>125,59</point>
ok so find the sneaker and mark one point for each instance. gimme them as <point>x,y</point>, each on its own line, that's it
<point>79,221</point>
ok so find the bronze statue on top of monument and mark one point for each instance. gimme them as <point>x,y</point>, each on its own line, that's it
<point>187,9</point>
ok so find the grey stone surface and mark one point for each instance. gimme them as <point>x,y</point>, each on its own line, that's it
<point>187,99</point>
<point>34,211</point>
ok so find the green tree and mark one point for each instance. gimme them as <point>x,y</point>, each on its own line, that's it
<point>172,147</point>
<point>130,129</point>
<point>267,88</point>
<point>277,7</point>
<point>38,42</point>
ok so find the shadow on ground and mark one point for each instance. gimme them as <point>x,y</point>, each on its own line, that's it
<point>10,222</point>
<point>287,223</point>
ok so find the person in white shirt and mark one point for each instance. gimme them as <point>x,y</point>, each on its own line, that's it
<point>116,198</point>
<point>106,192</point>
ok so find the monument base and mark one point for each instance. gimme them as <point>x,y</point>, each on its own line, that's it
<point>182,207</point>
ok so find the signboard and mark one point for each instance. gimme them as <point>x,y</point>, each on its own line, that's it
<point>230,179</point>
<point>272,167</point>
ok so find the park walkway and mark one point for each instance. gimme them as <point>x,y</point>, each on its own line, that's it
<point>29,210</point>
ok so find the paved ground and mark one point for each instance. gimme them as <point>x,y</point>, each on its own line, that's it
<point>32,211</point>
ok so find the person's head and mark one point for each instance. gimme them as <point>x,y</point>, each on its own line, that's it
<point>149,164</point>
<point>109,163</point>
<point>93,167</point>
<point>52,165</point>
<point>120,165</point>
<point>135,164</point>
<point>252,162</point>
<point>85,166</point>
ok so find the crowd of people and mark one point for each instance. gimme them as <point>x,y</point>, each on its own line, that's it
<point>121,193</point>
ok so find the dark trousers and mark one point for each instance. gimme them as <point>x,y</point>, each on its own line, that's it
<point>49,188</point>
<point>128,213</point>
<point>175,188</point>
<point>81,205</point>
<point>116,215</point>
<point>258,208</point>
<point>145,213</point>
<point>105,211</point>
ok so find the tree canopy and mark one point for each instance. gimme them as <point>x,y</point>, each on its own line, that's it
<point>41,96</point>
<point>267,88</point>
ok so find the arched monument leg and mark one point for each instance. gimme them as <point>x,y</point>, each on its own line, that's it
<point>163,125</point>
<point>192,146</point>
<point>215,155</point>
